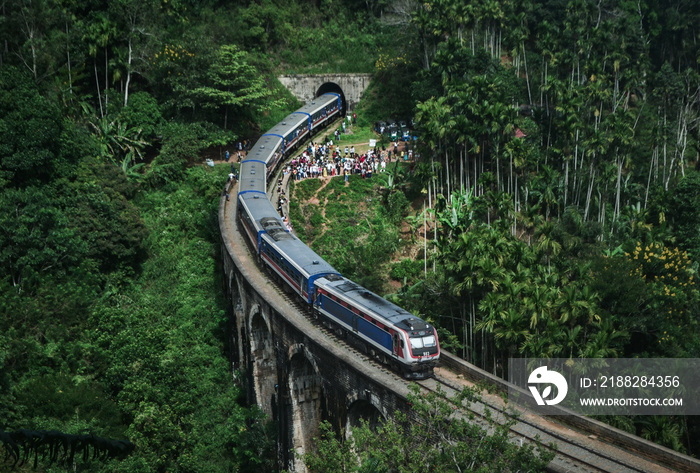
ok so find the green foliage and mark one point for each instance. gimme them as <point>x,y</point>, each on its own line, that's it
<point>182,144</point>
<point>59,399</point>
<point>133,354</point>
<point>397,206</point>
<point>351,229</point>
<point>36,236</point>
<point>278,110</point>
<point>684,213</point>
<point>407,270</point>
<point>387,97</point>
<point>357,134</point>
<point>661,318</point>
<point>234,83</point>
<point>160,345</point>
<point>428,438</point>
<point>334,36</point>
<point>107,221</point>
<point>30,129</point>
<point>143,113</point>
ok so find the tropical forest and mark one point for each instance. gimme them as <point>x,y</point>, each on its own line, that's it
<point>550,209</point>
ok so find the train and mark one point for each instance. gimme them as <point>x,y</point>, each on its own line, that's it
<point>380,328</point>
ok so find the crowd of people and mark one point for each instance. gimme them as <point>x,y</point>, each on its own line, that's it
<point>321,160</point>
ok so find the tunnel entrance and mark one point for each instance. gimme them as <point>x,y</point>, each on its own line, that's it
<point>333,88</point>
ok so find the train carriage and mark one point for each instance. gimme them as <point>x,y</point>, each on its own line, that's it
<point>258,217</point>
<point>391,331</point>
<point>294,262</point>
<point>321,110</point>
<point>269,149</point>
<point>293,129</point>
<point>387,331</point>
<point>252,176</point>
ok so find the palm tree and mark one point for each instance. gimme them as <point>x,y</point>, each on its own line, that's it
<point>546,243</point>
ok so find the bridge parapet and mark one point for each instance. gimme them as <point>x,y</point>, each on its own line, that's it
<point>300,377</point>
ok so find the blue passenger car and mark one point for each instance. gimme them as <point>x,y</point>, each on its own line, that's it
<point>294,262</point>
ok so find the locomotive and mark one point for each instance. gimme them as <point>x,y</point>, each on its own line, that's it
<point>384,330</point>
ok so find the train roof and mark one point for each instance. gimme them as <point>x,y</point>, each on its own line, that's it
<point>252,176</point>
<point>289,124</point>
<point>318,103</point>
<point>370,301</point>
<point>300,255</point>
<point>264,148</point>
<point>260,209</point>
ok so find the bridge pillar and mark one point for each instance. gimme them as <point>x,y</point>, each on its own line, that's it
<point>235,314</point>
<point>263,360</point>
<point>306,397</point>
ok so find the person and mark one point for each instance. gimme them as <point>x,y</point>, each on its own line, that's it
<point>227,156</point>
<point>231,176</point>
<point>225,194</point>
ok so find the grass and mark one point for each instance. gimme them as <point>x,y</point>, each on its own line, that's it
<point>358,134</point>
<point>352,228</point>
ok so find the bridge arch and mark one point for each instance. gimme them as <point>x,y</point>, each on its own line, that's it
<point>332,87</point>
<point>367,410</point>
<point>363,406</point>
<point>306,399</point>
<point>263,360</point>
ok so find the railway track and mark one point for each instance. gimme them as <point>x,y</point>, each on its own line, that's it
<point>571,455</point>
<point>577,451</point>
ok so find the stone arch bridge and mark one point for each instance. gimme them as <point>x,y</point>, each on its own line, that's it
<point>299,376</point>
<point>306,87</point>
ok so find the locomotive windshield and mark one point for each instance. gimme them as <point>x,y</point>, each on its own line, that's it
<point>423,342</point>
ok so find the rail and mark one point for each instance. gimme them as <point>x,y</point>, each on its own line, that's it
<point>583,444</point>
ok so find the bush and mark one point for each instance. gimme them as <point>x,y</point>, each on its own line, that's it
<point>143,112</point>
<point>397,206</point>
<point>407,270</point>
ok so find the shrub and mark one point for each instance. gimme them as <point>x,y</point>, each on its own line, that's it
<point>407,269</point>
<point>143,112</point>
<point>397,206</point>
